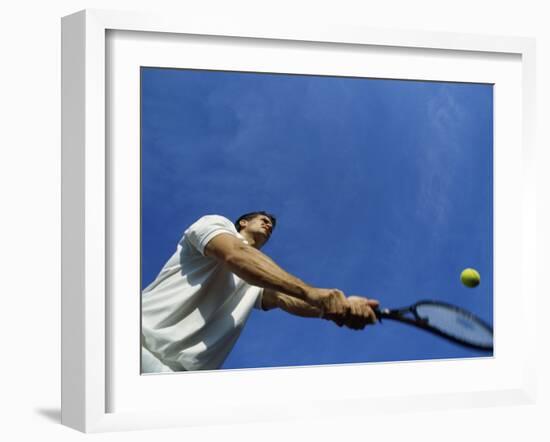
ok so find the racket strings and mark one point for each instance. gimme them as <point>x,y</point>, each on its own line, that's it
<point>456,323</point>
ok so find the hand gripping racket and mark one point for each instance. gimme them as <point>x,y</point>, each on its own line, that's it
<point>445,320</point>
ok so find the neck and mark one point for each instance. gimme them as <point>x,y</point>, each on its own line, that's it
<point>257,243</point>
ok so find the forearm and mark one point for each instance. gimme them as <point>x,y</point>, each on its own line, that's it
<point>296,306</point>
<point>258,269</point>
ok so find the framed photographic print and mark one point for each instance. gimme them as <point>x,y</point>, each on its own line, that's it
<point>389,165</point>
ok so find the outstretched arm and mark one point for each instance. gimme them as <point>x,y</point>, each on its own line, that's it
<point>258,269</point>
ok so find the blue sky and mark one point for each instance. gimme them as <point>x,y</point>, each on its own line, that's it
<point>382,188</point>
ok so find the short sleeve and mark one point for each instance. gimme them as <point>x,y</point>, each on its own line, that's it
<point>206,228</point>
<point>259,300</point>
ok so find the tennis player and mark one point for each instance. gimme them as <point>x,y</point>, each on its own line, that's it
<point>194,310</point>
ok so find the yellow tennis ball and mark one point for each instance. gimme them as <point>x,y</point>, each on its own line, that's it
<point>470,278</point>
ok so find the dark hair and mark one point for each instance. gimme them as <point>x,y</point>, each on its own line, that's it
<point>249,216</point>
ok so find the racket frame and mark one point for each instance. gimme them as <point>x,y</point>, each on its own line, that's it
<point>416,321</point>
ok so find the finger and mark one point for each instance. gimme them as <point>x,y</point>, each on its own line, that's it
<point>355,319</point>
<point>373,302</point>
<point>364,311</point>
<point>363,317</point>
<point>338,320</point>
<point>372,317</point>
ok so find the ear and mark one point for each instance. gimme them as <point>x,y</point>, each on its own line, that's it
<point>243,223</point>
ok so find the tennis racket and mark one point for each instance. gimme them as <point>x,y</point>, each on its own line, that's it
<point>445,320</point>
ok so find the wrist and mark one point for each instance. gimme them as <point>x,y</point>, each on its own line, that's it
<point>312,297</point>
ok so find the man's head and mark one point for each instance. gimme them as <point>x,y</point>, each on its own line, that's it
<point>256,225</point>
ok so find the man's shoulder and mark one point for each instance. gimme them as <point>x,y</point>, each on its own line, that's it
<point>206,228</point>
<point>215,221</point>
<point>215,217</point>
<point>210,223</point>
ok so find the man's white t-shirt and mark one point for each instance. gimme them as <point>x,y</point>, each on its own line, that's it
<point>194,311</point>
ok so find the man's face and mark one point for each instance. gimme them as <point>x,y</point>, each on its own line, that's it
<point>259,225</point>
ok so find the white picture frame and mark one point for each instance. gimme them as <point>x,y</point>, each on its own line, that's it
<point>86,204</point>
